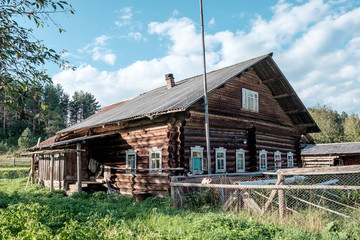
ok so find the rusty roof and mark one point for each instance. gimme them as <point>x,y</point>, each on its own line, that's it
<point>186,92</point>
<point>332,148</point>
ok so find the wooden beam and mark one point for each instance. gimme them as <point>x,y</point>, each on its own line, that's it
<point>274,187</point>
<point>33,169</point>
<point>320,171</point>
<point>281,197</point>
<point>52,172</point>
<point>295,111</point>
<point>270,80</point>
<point>306,125</point>
<point>78,160</point>
<point>284,95</point>
<point>59,172</point>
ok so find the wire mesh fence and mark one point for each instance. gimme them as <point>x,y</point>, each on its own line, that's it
<point>332,192</point>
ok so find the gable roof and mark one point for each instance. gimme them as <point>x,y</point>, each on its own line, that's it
<point>332,148</point>
<point>186,92</point>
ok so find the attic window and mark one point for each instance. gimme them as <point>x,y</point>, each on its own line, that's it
<point>250,100</point>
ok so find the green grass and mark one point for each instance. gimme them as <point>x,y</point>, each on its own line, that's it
<point>38,213</point>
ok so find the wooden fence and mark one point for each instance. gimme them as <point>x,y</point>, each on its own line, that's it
<point>335,190</point>
<point>15,162</point>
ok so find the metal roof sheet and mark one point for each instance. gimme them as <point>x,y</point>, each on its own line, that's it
<point>332,148</point>
<point>186,92</point>
<point>161,100</point>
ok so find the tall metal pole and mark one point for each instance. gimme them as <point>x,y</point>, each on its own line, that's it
<point>207,132</point>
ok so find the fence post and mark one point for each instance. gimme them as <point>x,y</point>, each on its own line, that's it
<point>281,195</point>
<point>173,197</point>
<point>14,163</point>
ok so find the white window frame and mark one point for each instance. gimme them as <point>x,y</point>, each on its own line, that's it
<point>290,164</point>
<point>277,160</point>
<point>240,167</point>
<point>220,150</point>
<point>200,150</point>
<point>151,151</point>
<point>129,169</point>
<point>263,167</point>
<point>250,100</point>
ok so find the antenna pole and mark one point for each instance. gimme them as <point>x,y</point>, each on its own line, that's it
<point>207,132</point>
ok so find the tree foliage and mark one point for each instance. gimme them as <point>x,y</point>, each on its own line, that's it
<point>26,139</point>
<point>22,56</point>
<point>352,128</point>
<point>335,127</point>
<point>44,109</point>
<point>82,106</point>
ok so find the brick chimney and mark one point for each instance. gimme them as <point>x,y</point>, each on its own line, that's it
<point>169,78</point>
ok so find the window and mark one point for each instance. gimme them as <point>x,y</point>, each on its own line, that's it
<point>197,165</point>
<point>290,159</point>
<point>155,159</point>
<point>263,160</point>
<point>130,161</point>
<point>250,100</point>
<point>277,160</point>
<point>240,160</point>
<point>220,159</point>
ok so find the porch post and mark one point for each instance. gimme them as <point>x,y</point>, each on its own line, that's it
<point>51,172</point>
<point>59,171</point>
<point>33,168</point>
<point>78,158</point>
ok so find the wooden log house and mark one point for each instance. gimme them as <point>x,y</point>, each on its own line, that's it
<point>256,122</point>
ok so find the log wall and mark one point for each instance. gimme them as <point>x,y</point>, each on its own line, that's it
<point>273,143</point>
<point>111,152</point>
<point>227,101</point>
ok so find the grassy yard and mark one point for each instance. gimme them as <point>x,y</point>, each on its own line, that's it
<point>38,213</point>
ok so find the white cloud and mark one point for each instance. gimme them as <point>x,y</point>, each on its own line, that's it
<point>315,43</point>
<point>136,36</point>
<point>98,52</point>
<point>211,22</point>
<point>125,17</point>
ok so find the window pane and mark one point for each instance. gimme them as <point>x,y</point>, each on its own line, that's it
<point>197,164</point>
<point>196,154</point>
<point>220,155</point>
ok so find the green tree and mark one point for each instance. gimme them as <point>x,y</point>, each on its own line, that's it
<point>26,139</point>
<point>352,128</point>
<point>330,124</point>
<point>22,56</point>
<point>82,105</point>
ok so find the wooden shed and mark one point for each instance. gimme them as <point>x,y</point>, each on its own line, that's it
<point>331,154</point>
<point>256,122</point>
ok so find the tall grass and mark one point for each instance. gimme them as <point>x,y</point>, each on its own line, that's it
<point>38,213</point>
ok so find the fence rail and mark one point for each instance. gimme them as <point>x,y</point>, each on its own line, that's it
<point>332,191</point>
<point>8,162</point>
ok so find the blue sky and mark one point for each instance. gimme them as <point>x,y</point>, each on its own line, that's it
<point>122,48</point>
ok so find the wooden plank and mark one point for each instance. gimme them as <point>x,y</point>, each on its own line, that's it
<point>33,168</point>
<point>274,187</point>
<point>271,198</point>
<point>320,171</point>
<point>281,196</point>
<point>79,167</point>
<point>51,172</point>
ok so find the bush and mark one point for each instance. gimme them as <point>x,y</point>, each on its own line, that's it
<point>4,147</point>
